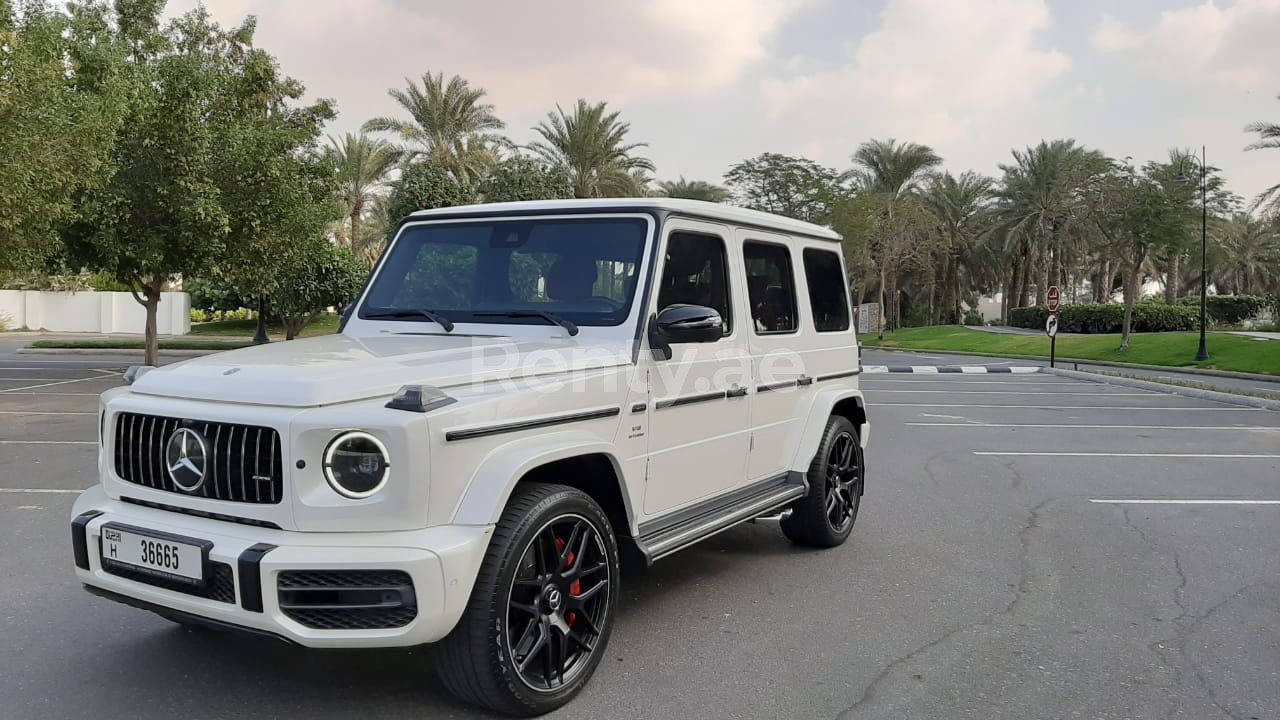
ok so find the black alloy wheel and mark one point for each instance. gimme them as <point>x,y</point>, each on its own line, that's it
<point>825,516</point>
<point>556,603</point>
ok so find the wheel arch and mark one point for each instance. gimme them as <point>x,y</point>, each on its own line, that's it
<point>846,402</point>
<point>578,460</point>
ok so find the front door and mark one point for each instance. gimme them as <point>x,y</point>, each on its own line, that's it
<point>699,425</point>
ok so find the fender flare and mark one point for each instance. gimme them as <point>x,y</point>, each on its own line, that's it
<point>494,479</point>
<point>816,419</point>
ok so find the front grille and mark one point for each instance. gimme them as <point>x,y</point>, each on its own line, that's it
<point>243,463</point>
<point>348,599</point>
<point>220,586</point>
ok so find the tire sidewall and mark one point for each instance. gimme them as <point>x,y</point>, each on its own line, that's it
<point>818,479</point>
<point>566,502</point>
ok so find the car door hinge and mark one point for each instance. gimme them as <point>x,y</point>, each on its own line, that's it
<point>751,442</point>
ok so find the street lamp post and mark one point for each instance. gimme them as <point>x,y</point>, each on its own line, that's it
<point>1203,353</point>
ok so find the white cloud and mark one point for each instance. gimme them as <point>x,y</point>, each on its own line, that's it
<point>929,72</point>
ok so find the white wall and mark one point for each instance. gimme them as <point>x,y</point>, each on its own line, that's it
<point>93,312</point>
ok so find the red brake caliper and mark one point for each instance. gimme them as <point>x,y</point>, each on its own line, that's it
<point>575,587</point>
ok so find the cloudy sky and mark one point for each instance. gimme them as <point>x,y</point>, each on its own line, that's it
<point>710,82</point>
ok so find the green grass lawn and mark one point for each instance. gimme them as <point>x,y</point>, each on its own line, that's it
<point>325,324</point>
<point>129,344</point>
<point>1226,352</point>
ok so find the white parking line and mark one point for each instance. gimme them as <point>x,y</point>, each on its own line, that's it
<point>48,442</point>
<point>1235,456</point>
<point>1184,502</point>
<point>995,380</point>
<point>41,491</point>
<point>52,394</point>
<point>1077,426</point>
<point>1072,407</point>
<point>60,382</point>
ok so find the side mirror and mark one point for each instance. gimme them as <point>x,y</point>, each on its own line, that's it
<point>684,324</point>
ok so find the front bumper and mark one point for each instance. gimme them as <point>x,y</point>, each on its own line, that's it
<point>442,563</point>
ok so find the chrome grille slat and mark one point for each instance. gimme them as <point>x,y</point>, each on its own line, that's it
<point>140,442</point>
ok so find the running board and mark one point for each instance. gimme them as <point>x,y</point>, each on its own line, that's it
<point>664,536</point>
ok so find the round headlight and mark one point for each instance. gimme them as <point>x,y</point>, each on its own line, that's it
<point>356,464</point>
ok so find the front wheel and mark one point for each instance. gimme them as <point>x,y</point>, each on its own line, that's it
<point>825,517</point>
<point>542,606</point>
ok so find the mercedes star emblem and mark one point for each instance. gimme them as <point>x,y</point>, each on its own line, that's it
<point>185,455</point>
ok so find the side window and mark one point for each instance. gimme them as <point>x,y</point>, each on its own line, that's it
<point>827,293</point>
<point>771,287</point>
<point>694,273</point>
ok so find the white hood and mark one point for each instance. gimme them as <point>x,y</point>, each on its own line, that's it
<point>337,368</point>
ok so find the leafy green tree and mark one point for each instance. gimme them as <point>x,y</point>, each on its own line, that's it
<point>64,84</point>
<point>212,163</point>
<point>890,168</point>
<point>1249,248</point>
<point>590,144</point>
<point>962,207</point>
<point>693,190</point>
<point>522,178</point>
<point>449,123</point>
<point>1268,139</point>
<point>422,186</point>
<point>363,164</point>
<point>315,276</point>
<point>792,186</point>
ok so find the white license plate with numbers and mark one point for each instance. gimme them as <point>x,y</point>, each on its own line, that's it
<point>158,553</point>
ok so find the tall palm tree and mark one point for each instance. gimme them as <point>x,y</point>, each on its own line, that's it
<point>363,164</point>
<point>1268,139</point>
<point>693,190</point>
<point>449,122</point>
<point>885,166</point>
<point>590,144</point>
<point>1044,194</point>
<point>962,206</point>
<point>1251,247</point>
<point>892,172</point>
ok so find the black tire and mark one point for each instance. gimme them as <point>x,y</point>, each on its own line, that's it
<point>491,658</point>
<point>825,516</point>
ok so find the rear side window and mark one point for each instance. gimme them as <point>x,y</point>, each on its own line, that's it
<point>771,287</point>
<point>827,294</point>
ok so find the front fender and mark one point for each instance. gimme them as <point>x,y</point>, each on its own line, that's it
<point>816,421</point>
<point>495,477</point>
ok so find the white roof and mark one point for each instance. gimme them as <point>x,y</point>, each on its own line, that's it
<point>699,208</point>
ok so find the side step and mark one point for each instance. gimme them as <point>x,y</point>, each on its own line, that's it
<point>661,537</point>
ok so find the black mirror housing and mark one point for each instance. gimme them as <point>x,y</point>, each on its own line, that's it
<point>684,324</point>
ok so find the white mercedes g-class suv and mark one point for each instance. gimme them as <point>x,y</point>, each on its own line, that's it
<point>521,394</point>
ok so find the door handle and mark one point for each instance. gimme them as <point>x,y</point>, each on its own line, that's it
<point>736,391</point>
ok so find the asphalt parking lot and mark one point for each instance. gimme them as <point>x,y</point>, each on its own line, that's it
<point>1030,547</point>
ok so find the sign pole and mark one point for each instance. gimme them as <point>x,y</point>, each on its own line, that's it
<point>1053,349</point>
<point>1052,299</point>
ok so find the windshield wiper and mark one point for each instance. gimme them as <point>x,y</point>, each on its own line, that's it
<point>568,326</point>
<point>431,315</point>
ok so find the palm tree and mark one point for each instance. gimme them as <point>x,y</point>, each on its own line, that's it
<point>884,166</point>
<point>693,190</point>
<point>363,164</point>
<point>1252,249</point>
<point>962,207</point>
<point>1043,196</point>
<point>1268,139</point>
<point>590,144</point>
<point>892,172</point>
<point>449,122</point>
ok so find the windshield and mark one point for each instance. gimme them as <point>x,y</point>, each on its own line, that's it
<point>502,271</point>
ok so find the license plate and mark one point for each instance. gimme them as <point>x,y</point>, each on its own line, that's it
<point>155,552</point>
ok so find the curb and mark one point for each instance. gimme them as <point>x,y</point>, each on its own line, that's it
<point>1213,395</point>
<point>112,351</point>
<point>962,369</point>
<point>1107,363</point>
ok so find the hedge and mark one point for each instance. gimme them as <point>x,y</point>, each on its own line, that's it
<point>1228,309</point>
<point>1109,318</point>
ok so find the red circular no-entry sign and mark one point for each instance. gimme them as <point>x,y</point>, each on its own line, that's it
<point>1052,298</point>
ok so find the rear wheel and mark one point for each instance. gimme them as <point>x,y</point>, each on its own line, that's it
<point>825,517</point>
<point>542,607</point>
